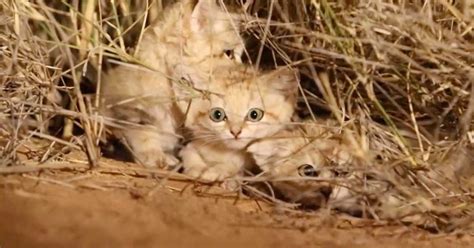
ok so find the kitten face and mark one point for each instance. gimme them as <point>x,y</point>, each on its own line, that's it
<point>215,32</point>
<point>241,106</point>
<point>193,30</point>
<point>290,155</point>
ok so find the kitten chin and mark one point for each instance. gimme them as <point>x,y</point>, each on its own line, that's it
<point>237,144</point>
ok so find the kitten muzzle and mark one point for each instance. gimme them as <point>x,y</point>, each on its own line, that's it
<point>236,132</point>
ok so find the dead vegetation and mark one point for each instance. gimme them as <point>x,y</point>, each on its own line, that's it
<point>397,75</point>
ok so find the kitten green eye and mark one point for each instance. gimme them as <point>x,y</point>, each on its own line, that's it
<point>217,114</point>
<point>229,54</point>
<point>255,115</point>
<point>307,170</point>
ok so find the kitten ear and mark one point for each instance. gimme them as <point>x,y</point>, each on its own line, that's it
<point>201,15</point>
<point>284,80</point>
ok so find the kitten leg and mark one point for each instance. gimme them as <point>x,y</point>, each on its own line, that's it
<point>153,143</point>
<point>147,148</point>
<point>195,166</point>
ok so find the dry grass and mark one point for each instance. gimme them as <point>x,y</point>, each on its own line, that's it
<point>398,75</point>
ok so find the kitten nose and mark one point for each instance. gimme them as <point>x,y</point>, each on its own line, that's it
<point>236,132</point>
<point>326,191</point>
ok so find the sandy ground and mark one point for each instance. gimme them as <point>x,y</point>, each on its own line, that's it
<point>117,208</point>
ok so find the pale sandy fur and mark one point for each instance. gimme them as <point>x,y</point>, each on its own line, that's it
<point>188,36</point>
<point>281,156</point>
<point>220,146</point>
<point>321,145</point>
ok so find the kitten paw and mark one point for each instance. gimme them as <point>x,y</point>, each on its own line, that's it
<point>231,185</point>
<point>202,174</point>
<point>157,159</point>
<point>171,161</point>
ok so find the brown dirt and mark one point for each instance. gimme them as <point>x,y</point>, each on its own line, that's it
<point>89,208</point>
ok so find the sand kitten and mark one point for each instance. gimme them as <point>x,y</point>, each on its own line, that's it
<point>192,36</point>
<point>293,159</point>
<point>237,106</point>
<point>309,166</point>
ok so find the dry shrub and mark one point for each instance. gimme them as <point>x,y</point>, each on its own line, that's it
<point>28,82</point>
<point>397,75</point>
